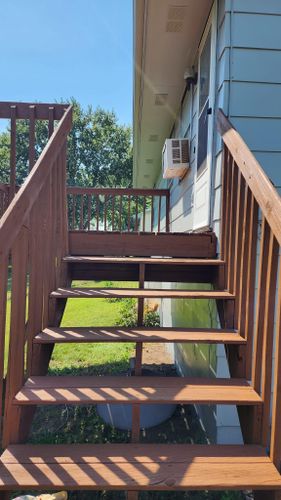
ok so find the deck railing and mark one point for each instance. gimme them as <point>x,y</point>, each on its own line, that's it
<point>33,239</point>
<point>120,209</point>
<point>250,245</point>
<point>31,113</point>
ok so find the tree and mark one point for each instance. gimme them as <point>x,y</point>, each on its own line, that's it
<point>99,149</point>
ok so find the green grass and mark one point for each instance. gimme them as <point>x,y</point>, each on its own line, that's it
<point>92,358</point>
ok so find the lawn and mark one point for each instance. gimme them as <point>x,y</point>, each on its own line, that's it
<point>92,358</point>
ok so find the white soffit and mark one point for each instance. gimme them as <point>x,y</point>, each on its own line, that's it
<point>166,37</point>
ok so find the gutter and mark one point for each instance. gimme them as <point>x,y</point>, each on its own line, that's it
<point>139,16</point>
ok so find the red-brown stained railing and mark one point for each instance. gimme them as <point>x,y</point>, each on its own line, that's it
<point>33,239</point>
<point>250,246</point>
<point>137,209</point>
<point>31,112</point>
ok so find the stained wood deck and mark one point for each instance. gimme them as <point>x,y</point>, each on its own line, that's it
<point>104,334</point>
<point>122,389</point>
<point>137,467</point>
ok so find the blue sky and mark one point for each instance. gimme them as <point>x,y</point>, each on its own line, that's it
<point>53,49</point>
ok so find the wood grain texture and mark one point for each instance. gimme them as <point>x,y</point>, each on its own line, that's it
<point>79,335</point>
<point>91,259</point>
<point>118,244</point>
<point>95,293</point>
<point>137,467</point>
<point>137,389</point>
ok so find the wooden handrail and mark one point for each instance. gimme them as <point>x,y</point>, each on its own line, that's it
<point>19,209</point>
<point>250,244</point>
<point>41,110</point>
<point>260,185</point>
<point>118,191</point>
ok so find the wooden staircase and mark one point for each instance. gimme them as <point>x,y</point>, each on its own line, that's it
<point>46,258</point>
<point>135,466</point>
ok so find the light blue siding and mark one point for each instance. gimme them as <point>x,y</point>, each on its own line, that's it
<point>254,65</point>
<point>256,6</point>
<point>249,76</point>
<point>256,31</point>
<point>255,100</point>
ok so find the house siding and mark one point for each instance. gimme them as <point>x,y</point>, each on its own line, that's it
<point>248,89</point>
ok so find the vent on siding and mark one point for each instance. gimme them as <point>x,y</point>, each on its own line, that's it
<point>176,12</point>
<point>161,99</point>
<point>146,176</point>
<point>149,161</point>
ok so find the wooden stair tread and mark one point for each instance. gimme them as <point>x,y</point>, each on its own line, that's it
<point>109,334</point>
<point>137,467</point>
<point>123,389</point>
<point>143,293</point>
<point>81,259</point>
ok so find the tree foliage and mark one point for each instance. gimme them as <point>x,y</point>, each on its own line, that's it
<point>99,149</point>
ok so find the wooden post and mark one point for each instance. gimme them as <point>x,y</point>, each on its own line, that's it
<point>13,157</point>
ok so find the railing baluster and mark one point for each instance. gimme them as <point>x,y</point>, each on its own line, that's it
<point>260,305</point>
<point>98,212</point>
<point>168,212</point>
<point>238,227</point>
<point>232,221</point>
<point>224,202</point>
<point>152,213</point>
<point>268,334</point>
<point>120,214</point>
<point>3,310</point>
<point>226,221</point>
<point>137,214</point>
<point>31,136</point>
<point>89,212</point>
<point>51,121</point>
<point>15,377</point>
<point>105,212</point>
<point>159,213</point>
<point>35,302</point>
<point>129,212</point>
<point>144,209</point>
<point>13,157</point>
<point>247,276</point>
<point>275,441</point>
<point>82,212</point>
<point>113,211</point>
<point>73,212</point>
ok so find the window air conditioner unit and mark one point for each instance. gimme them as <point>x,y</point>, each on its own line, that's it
<point>175,158</point>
